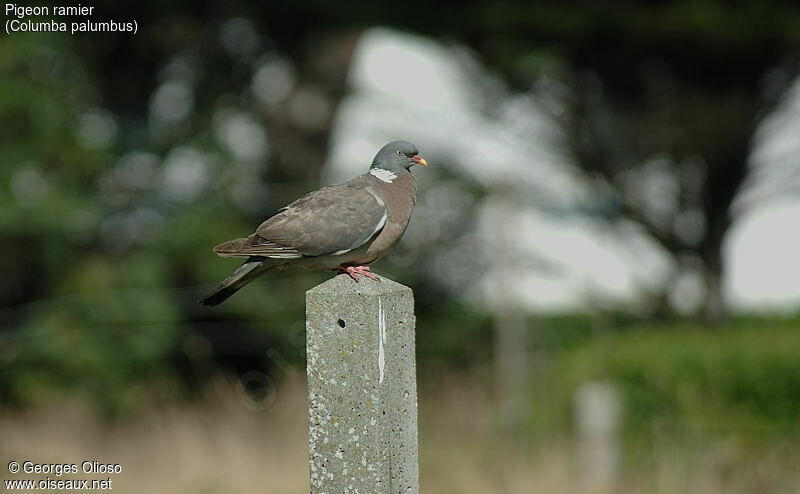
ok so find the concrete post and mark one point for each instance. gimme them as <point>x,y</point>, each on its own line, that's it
<point>362,387</point>
<point>598,412</point>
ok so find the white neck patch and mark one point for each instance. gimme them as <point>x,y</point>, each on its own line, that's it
<point>381,174</point>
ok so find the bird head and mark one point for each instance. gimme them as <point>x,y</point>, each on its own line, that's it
<point>398,157</point>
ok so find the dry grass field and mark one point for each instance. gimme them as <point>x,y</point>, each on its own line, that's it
<point>222,446</point>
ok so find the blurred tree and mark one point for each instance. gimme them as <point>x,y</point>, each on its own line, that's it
<point>130,155</point>
<point>660,103</point>
<point>125,149</point>
<point>74,302</point>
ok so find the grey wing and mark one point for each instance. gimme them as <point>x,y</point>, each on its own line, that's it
<point>331,220</point>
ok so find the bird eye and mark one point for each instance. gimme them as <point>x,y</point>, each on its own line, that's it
<point>398,153</point>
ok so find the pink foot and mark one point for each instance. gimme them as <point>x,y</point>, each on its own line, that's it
<point>354,271</point>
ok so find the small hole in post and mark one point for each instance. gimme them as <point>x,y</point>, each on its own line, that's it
<point>341,323</point>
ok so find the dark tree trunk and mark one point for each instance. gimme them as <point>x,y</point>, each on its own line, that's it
<point>726,171</point>
<point>714,309</point>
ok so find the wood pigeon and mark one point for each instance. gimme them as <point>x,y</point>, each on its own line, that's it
<point>342,227</point>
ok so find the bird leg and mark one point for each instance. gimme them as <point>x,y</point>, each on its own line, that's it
<point>354,271</point>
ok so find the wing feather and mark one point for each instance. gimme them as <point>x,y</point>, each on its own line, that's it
<point>330,220</point>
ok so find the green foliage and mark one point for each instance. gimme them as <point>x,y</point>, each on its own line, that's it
<point>453,337</point>
<point>743,379</point>
<point>107,337</point>
<point>103,273</point>
<point>96,319</point>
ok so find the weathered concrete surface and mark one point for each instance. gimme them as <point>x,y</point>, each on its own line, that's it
<point>362,387</point>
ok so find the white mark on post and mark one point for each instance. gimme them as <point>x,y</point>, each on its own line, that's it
<point>381,339</point>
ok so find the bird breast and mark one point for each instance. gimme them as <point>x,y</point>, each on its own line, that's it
<point>399,196</point>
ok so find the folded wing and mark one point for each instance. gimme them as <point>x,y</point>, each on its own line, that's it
<point>331,220</point>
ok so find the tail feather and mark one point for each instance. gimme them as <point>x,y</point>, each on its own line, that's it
<point>243,275</point>
<point>231,248</point>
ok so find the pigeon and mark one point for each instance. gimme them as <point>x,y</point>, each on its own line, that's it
<point>343,227</point>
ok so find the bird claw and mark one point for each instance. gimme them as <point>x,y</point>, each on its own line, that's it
<point>354,271</point>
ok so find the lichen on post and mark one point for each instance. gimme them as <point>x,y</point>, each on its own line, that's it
<point>361,387</point>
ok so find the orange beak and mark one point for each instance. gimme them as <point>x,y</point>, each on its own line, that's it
<point>419,159</point>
